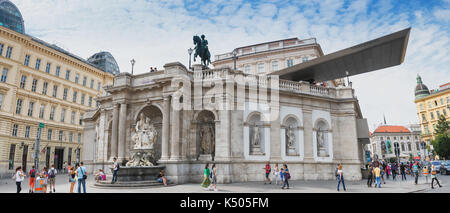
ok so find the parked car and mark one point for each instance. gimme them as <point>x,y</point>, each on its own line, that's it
<point>445,168</point>
<point>437,165</point>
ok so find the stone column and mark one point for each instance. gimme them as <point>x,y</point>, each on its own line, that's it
<point>114,132</point>
<point>175,139</point>
<point>165,129</point>
<point>122,131</point>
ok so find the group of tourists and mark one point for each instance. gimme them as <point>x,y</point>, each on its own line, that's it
<point>210,178</point>
<point>377,170</point>
<point>282,172</point>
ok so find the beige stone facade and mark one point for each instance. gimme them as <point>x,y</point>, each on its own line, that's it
<point>42,83</point>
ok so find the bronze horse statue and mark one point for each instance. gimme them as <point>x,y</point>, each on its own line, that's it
<point>201,49</point>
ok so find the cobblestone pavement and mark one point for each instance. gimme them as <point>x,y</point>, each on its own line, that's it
<point>398,186</point>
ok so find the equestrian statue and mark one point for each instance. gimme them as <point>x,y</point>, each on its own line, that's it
<point>201,49</point>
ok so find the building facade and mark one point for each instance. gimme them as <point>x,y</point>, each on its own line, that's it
<point>42,83</point>
<point>386,137</point>
<point>431,104</point>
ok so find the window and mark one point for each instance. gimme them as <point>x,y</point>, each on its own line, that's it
<point>435,103</point>
<point>52,113</point>
<point>77,76</point>
<point>432,115</point>
<point>65,94</point>
<point>84,80</point>
<point>14,131</point>
<point>1,49</point>
<point>27,60</point>
<point>1,100</point>
<point>82,99</point>
<point>247,69</point>
<point>442,101</point>
<point>8,52</point>
<point>90,101</point>
<point>98,86</point>
<point>74,97</point>
<point>79,137</point>
<point>69,155</point>
<point>417,146</point>
<point>12,154</point>
<point>443,111</point>
<point>41,111</point>
<point>60,136</point>
<point>70,136</point>
<point>47,68</point>
<point>421,106</point>
<point>49,134</point>
<point>33,85</point>
<point>289,62</point>
<point>261,68</point>
<point>304,59</point>
<point>92,83</point>
<point>72,117</point>
<point>429,104</point>
<point>55,90</point>
<point>4,75</point>
<point>63,115</point>
<point>67,74</point>
<point>426,130</point>
<point>19,106</point>
<point>58,68</point>
<point>38,64</point>
<point>274,65</point>
<point>438,114</point>
<point>27,131</point>
<point>23,81</point>
<point>30,109</point>
<point>81,119</point>
<point>424,119</point>
<point>44,88</point>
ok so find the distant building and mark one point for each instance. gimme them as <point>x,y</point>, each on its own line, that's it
<point>105,61</point>
<point>430,106</point>
<point>385,137</point>
<point>10,17</point>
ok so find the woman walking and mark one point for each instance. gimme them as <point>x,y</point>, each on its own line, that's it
<point>275,173</point>
<point>19,177</point>
<point>286,176</point>
<point>341,177</point>
<point>45,177</point>
<point>214,177</point>
<point>434,177</point>
<point>206,182</point>
<point>72,177</point>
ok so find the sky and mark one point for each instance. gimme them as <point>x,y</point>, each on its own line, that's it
<point>158,32</point>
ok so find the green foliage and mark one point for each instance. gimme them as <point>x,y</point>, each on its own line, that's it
<point>441,143</point>
<point>442,126</point>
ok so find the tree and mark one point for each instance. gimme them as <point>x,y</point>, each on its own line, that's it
<point>441,143</point>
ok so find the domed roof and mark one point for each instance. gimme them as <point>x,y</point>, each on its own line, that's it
<point>105,61</point>
<point>421,89</point>
<point>11,17</point>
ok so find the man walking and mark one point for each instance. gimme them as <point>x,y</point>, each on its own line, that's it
<point>403,171</point>
<point>370,177</point>
<point>32,175</point>
<point>377,173</point>
<point>416,172</point>
<point>115,169</point>
<point>81,178</point>
<point>52,177</point>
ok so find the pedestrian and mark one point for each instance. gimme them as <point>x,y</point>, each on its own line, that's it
<point>276,171</point>
<point>214,177</point>
<point>416,172</point>
<point>162,178</point>
<point>434,176</point>
<point>377,172</point>
<point>341,177</point>
<point>72,178</point>
<point>286,176</point>
<point>382,173</point>
<point>52,178</point>
<point>19,177</point>
<point>45,179</point>
<point>69,167</point>
<point>281,176</point>
<point>267,169</point>
<point>100,175</point>
<point>370,176</point>
<point>402,171</point>
<point>82,176</point>
<point>64,167</point>
<point>32,174</point>
<point>394,171</point>
<point>115,170</point>
<point>388,171</point>
<point>336,172</point>
<point>206,173</point>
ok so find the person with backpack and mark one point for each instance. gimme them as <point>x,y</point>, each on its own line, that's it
<point>82,176</point>
<point>52,178</point>
<point>115,170</point>
<point>19,177</point>
<point>286,176</point>
<point>341,178</point>
<point>32,174</point>
<point>267,169</point>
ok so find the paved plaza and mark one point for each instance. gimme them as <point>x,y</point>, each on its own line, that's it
<point>398,186</point>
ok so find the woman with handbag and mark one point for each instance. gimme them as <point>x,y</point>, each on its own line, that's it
<point>206,181</point>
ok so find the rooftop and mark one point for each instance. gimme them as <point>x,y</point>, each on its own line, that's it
<point>391,129</point>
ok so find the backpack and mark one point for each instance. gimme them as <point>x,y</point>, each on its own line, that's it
<point>118,166</point>
<point>288,176</point>
<point>52,174</point>
<point>32,173</point>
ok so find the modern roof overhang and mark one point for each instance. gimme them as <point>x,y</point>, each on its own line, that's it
<point>380,53</point>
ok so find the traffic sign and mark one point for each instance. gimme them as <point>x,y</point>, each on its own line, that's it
<point>41,125</point>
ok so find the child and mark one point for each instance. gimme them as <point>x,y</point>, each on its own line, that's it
<point>281,176</point>
<point>100,175</point>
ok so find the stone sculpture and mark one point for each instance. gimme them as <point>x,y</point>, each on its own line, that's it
<point>256,139</point>
<point>146,134</point>
<point>207,139</point>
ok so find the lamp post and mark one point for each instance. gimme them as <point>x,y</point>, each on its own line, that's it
<point>190,50</point>
<point>234,58</point>
<point>132,65</point>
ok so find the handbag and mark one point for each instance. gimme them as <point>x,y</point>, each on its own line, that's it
<point>82,172</point>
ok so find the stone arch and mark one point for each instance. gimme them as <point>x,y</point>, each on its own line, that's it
<point>256,129</point>
<point>290,116</point>
<point>140,109</point>
<point>291,135</point>
<point>327,125</point>
<point>322,138</point>
<point>249,116</point>
<point>205,137</point>
<point>155,113</point>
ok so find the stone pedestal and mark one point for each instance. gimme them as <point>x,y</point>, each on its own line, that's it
<point>205,157</point>
<point>291,151</point>
<point>322,152</point>
<point>141,173</point>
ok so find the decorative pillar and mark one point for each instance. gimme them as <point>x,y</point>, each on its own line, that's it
<point>114,132</point>
<point>165,129</point>
<point>122,131</point>
<point>175,139</point>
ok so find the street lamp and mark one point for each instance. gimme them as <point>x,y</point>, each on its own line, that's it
<point>234,58</point>
<point>132,65</point>
<point>190,50</point>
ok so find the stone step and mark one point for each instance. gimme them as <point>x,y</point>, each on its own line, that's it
<point>151,183</point>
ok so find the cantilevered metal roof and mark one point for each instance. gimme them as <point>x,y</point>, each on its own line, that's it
<point>380,53</point>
